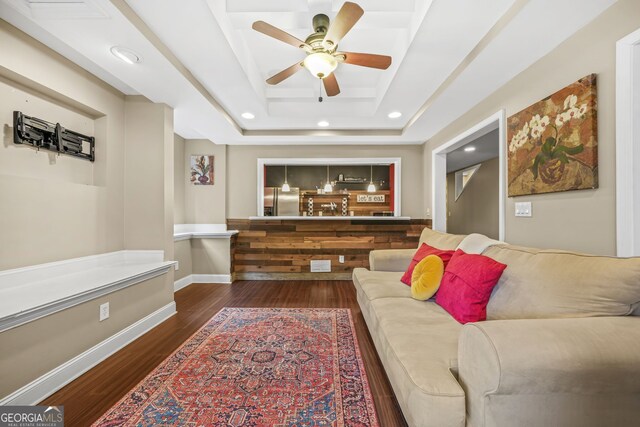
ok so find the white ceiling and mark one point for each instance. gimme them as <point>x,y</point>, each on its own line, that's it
<point>202,58</point>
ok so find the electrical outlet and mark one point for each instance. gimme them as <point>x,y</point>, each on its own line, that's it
<point>177,266</point>
<point>104,311</point>
<point>341,259</point>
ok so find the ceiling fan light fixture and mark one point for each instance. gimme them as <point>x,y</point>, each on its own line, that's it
<point>320,64</point>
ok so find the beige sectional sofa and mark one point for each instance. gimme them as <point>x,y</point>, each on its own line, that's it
<point>560,347</point>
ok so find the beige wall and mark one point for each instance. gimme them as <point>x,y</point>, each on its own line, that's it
<point>211,256</point>
<point>149,177</point>
<point>203,256</point>
<point>54,208</point>
<point>242,163</point>
<point>578,220</point>
<point>476,210</point>
<point>35,348</point>
<point>182,254</point>
<point>148,126</point>
<point>178,180</point>
<point>205,204</point>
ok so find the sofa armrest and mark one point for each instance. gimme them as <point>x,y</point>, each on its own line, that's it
<point>583,371</point>
<point>579,357</point>
<point>390,259</point>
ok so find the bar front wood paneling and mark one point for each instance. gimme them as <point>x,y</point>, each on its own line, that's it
<point>282,249</point>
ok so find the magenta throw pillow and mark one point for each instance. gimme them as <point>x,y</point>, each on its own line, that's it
<point>420,254</point>
<point>467,284</point>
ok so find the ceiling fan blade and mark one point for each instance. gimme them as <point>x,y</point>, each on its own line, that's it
<point>346,18</point>
<point>366,60</point>
<point>285,74</point>
<point>331,85</point>
<point>277,33</point>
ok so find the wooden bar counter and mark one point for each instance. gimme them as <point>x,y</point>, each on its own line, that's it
<point>277,248</point>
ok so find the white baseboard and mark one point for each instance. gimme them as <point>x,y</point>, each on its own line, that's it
<point>182,283</point>
<point>57,378</point>
<point>211,278</point>
<point>201,278</point>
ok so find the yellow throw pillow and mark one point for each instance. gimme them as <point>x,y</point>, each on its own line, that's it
<point>426,277</point>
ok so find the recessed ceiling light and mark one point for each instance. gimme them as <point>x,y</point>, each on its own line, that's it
<point>394,114</point>
<point>248,116</point>
<point>470,149</point>
<point>126,55</point>
<point>323,123</point>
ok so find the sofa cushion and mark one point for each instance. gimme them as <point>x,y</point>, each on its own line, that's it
<point>380,284</point>
<point>418,343</point>
<point>552,284</point>
<point>440,240</point>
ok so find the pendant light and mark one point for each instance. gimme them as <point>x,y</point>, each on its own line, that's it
<point>327,187</point>
<point>285,186</point>
<point>371,188</point>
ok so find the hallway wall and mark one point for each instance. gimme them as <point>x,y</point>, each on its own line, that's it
<point>476,210</point>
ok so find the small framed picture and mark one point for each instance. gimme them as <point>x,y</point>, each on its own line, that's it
<point>202,172</point>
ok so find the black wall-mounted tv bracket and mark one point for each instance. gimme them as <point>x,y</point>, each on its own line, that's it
<point>53,137</point>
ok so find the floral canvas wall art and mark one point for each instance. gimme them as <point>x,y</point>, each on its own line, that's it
<point>202,170</point>
<point>552,145</point>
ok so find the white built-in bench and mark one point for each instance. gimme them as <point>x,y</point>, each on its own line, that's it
<point>201,231</point>
<point>29,293</point>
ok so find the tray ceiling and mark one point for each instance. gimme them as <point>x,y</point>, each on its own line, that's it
<point>203,59</point>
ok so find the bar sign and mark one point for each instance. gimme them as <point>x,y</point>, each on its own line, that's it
<point>370,198</point>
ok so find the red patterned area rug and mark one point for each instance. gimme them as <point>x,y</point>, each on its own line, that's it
<point>256,367</point>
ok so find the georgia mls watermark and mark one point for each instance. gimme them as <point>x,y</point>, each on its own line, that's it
<point>31,416</point>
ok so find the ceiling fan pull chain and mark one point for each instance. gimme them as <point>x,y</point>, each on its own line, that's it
<point>320,97</point>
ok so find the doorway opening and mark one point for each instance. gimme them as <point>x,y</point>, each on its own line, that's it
<point>628,145</point>
<point>481,202</point>
<point>473,171</point>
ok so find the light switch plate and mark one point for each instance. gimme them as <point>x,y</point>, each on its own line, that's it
<point>341,259</point>
<point>523,209</point>
<point>321,266</point>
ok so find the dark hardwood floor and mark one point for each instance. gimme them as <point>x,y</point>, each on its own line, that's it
<point>92,394</point>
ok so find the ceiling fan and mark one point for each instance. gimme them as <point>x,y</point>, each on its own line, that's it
<point>321,48</point>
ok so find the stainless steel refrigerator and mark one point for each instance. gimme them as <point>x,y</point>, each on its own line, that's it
<point>281,203</point>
